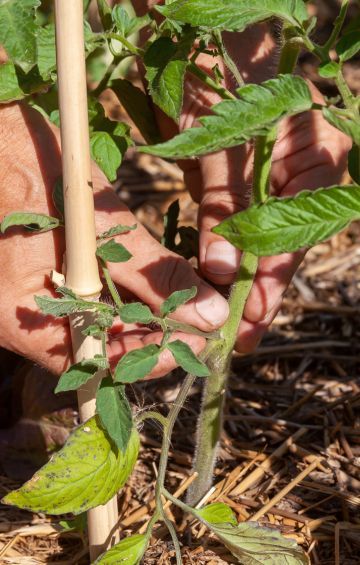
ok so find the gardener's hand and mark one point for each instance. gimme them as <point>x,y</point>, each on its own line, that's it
<point>30,165</point>
<point>310,153</point>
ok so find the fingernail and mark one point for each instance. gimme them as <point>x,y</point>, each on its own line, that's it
<point>222,258</point>
<point>213,309</point>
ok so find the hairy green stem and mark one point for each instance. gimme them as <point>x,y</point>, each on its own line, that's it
<point>174,538</point>
<point>151,415</point>
<point>185,507</point>
<point>210,420</point>
<point>347,96</point>
<point>229,63</point>
<point>129,46</point>
<point>111,286</point>
<point>206,79</point>
<point>186,328</point>
<point>338,24</point>
<point>170,422</point>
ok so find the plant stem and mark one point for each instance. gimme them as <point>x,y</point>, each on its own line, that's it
<point>338,24</point>
<point>130,47</point>
<point>151,415</point>
<point>230,64</point>
<point>186,328</point>
<point>171,419</point>
<point>111,286</point>
<point>264,146</point>
<point>347,96</point>
<point>206,79</point>
<point>184,507</point>
<point>174,538</point>
<point>167,432</point>
<point>210,420</point>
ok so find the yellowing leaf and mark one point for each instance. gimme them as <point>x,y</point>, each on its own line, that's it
<point>85,473</point>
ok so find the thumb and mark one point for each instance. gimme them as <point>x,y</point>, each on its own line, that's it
<point>225,191</point>
<point>154,272</point>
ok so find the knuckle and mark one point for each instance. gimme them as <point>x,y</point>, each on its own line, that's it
<point>219,204</point>
<point>176,276</point>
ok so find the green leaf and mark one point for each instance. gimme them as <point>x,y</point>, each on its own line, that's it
<point>92,40</point>
<point>94,330</point>
<point>86,472</point>
<point>10,89</point>
<point>329,70</point>
<point>114,412</point>
<point>105,153</point>
<point>137,106</point>
<point>176,299</point>
<point>217,513</point>
<point>185,357</point>
<point>65,291</point>
<point>58,197</point>
<point>136,313</point>
<point>45,48</point>
<point>30,221</point>
<point>76,376</point>
<point>283,225</point>
<point>78,524</point>
<point>122,20</point>
<point>348,45</point>
<point>136,364</point>
<point>165,63</point>
<point>17,31</point>
<point>60,307</point>
<point>254,545</point>
<point>105,318</point>
<point>127,552</point>
<point>234,15</point>
<point>343,123</point>
<point>98,361</point>
<point>105,14</point>
<point>354,163</point>
<point>234,122</point>
<point>117,230</point>
<point>113,252</point>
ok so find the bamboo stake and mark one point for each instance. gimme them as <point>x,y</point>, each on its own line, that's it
<point>82,273</point>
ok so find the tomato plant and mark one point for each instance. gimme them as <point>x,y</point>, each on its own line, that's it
<point>101,453</point>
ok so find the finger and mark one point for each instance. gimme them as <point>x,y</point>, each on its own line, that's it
<point>272,279</point>
<point>250,334</point>
<point>153,272</point>
<point>43,339</point>
<point>225,191</point>
<point>307,143</point>
<point>135,339</point>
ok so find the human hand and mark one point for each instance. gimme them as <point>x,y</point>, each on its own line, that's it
<point>309,153</point>
<point>31,163</point>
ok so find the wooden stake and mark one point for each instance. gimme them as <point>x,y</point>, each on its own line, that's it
<point>82,273</point>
